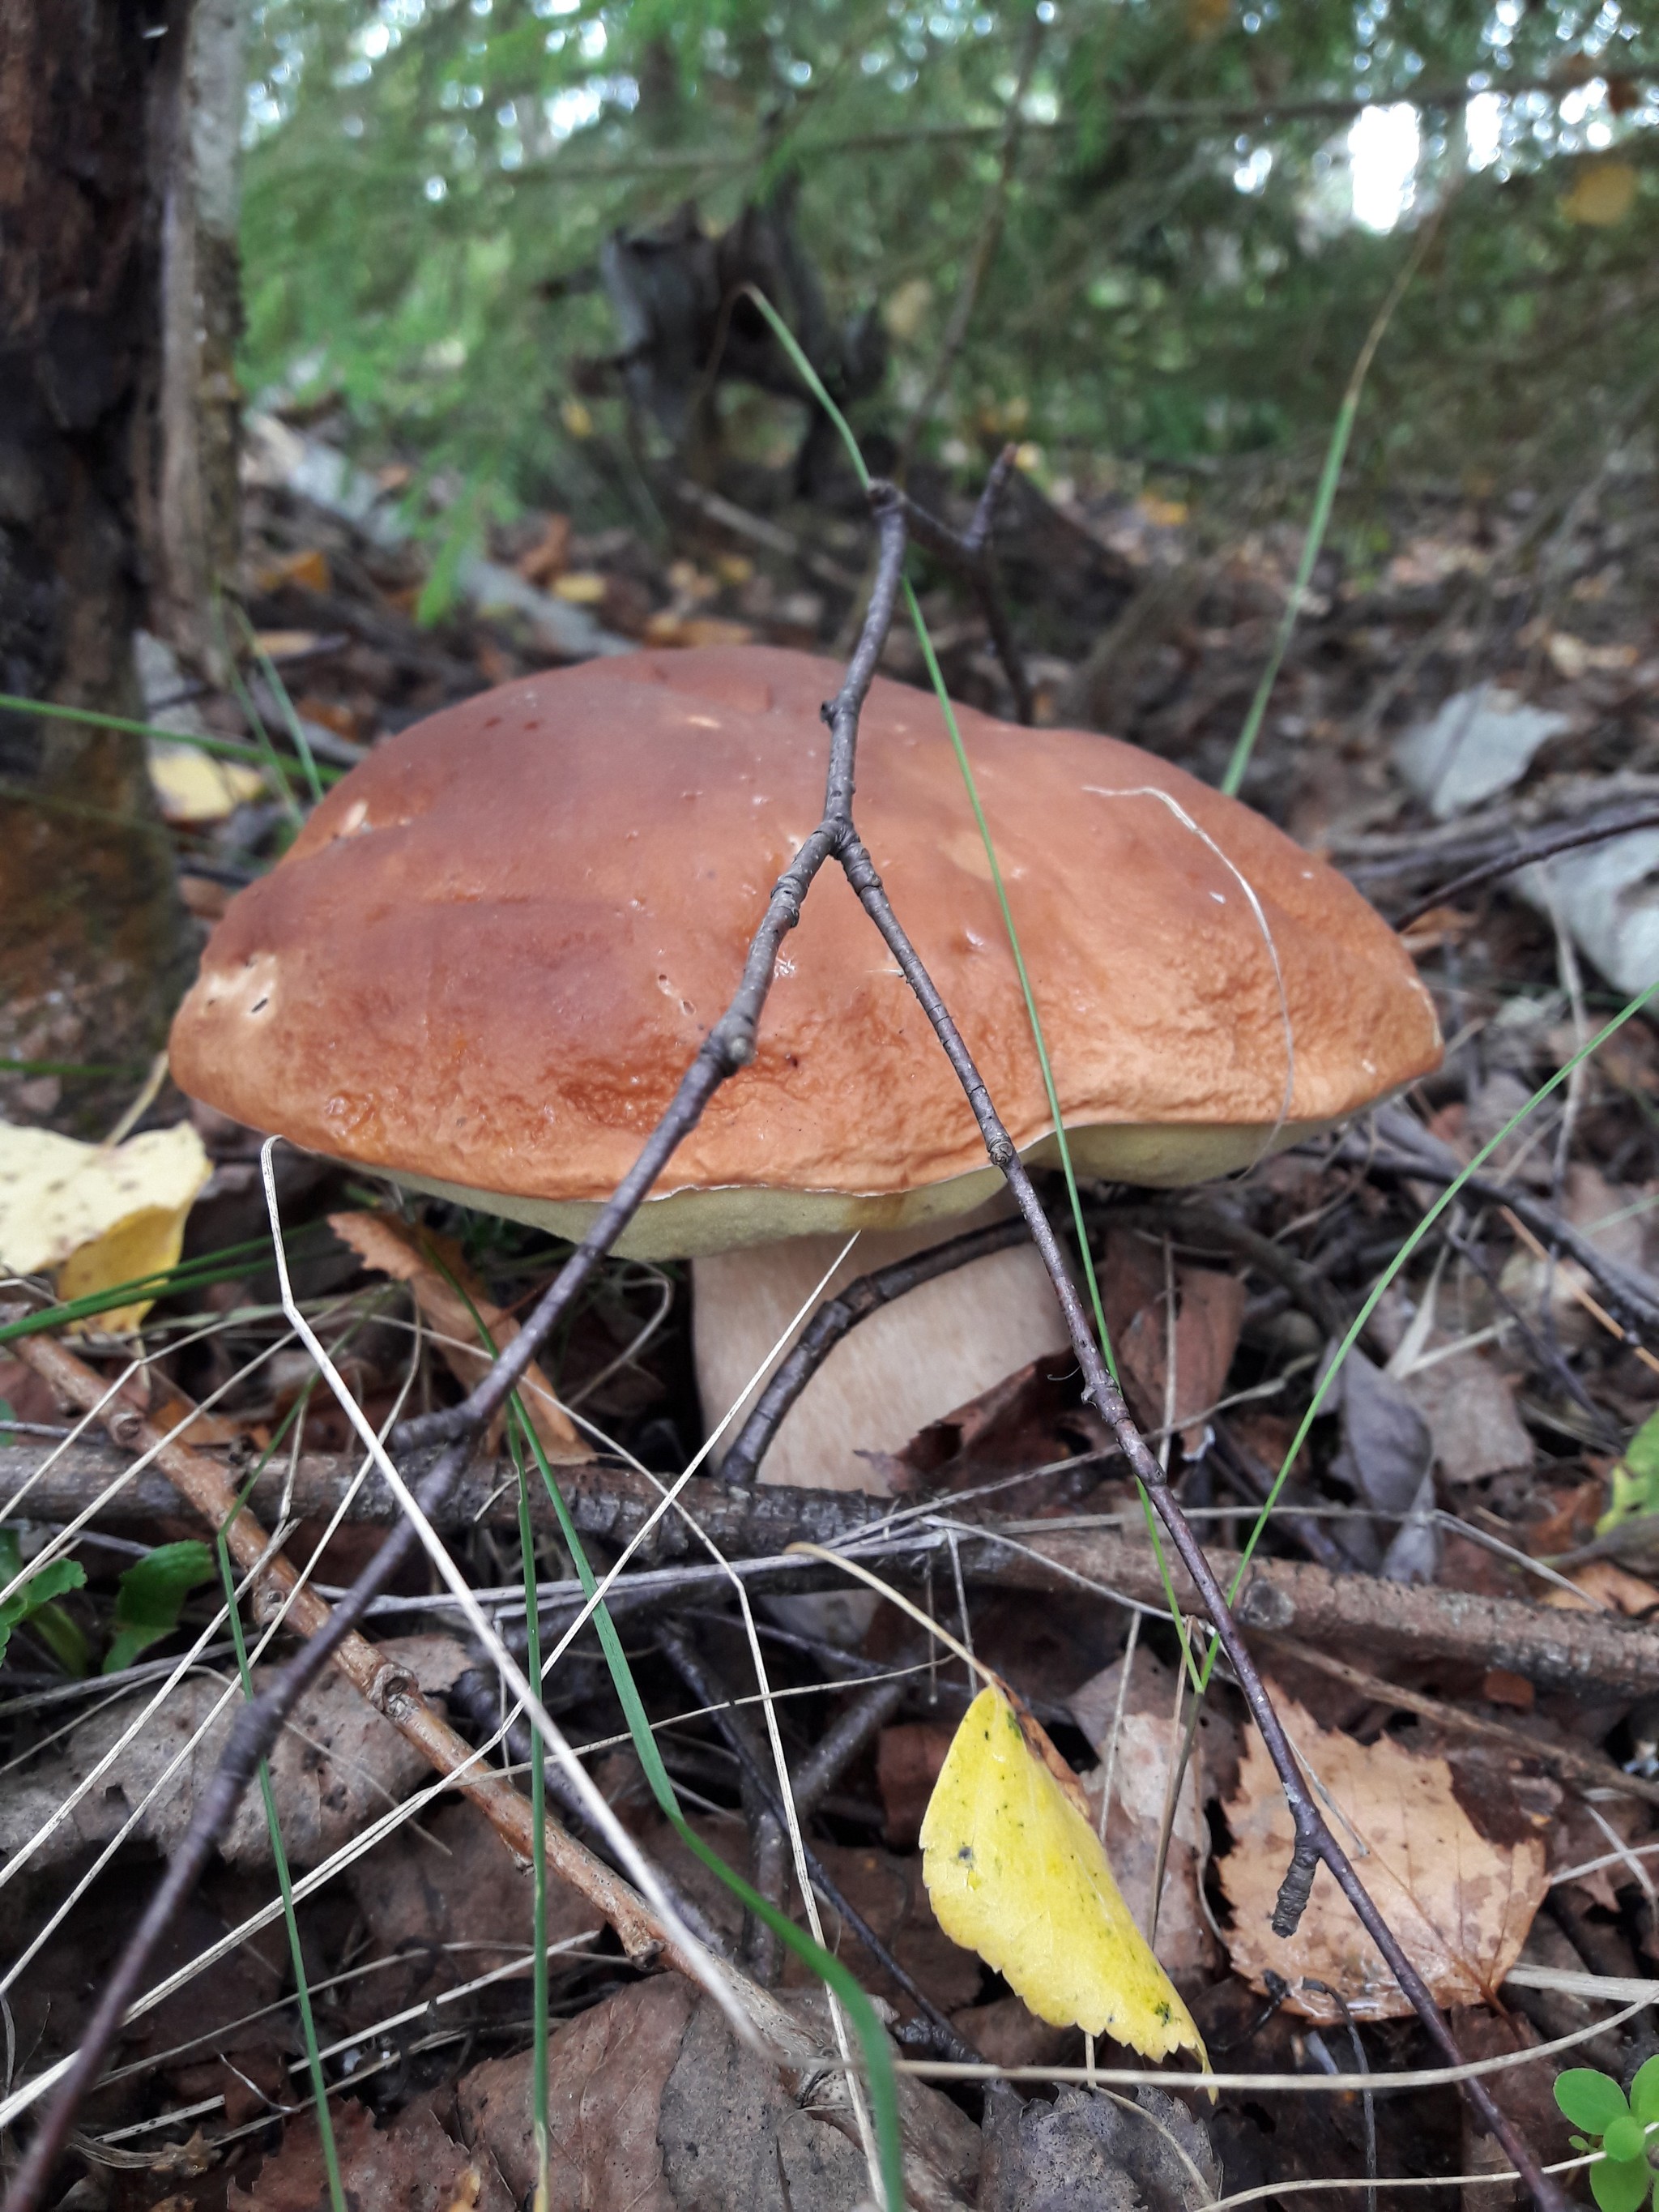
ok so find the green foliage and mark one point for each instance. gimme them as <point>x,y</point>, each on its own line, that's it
<point>1622,2178</point>
<point>34,1603</point>
<point>150,1596</point>
<point>430,182</point>
<point>1634,1478</point>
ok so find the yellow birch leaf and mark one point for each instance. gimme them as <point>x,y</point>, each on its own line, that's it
<point>1015,1872</point>
<point>192,788</point>
<point>97,1215</point>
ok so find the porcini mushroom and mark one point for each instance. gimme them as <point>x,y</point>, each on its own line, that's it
<point>494,947</point>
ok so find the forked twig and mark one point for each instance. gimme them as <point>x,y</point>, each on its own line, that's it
<point>729,1046</point>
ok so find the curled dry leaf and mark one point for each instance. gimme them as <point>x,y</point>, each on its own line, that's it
<point>448,1294</point>
<point>655,2107</point>
<point>1105,2153</point>
<point>337,1766</point>
<point>414,2165</point>
<point>1460,1904</point>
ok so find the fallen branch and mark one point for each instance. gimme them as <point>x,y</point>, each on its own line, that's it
<point>1396,1145</point>
<point>1543,847</point>
<point>199,1478</point>
<point>1596,1655</point>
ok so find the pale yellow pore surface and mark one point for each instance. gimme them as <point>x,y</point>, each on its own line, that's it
<point>1017,1874</point>
<point>684,1223</point>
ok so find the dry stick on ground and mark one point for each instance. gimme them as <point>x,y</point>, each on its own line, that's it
<point>730,1045</point>
<point>833,1319</point>
<point>1543,847</point>
<point>202,1481</point>
<point>1591,1655</point>
<point>1395,1145</point>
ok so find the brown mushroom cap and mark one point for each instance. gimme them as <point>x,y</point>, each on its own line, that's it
<point>496,945</point>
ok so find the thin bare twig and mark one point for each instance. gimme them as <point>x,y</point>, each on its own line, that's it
<point>972,554</point>
<point>1543,847</point>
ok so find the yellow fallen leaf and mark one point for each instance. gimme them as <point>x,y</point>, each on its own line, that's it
<point>448,1295</point>
<point>580,586</point>
<point>96,1215</point>
<point>191,786</point>
<point>1016,1872</point>
<point>1601,194</point>
<point>1459,1903</point>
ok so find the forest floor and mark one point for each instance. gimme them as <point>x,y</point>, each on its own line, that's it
<point>1457,1601</point>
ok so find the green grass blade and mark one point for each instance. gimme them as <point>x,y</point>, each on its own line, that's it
<point>1392,1270</point>
<point>199,1273</point>
<point>230,749</point>
<point>297,737</point>
<point>883,2084</point>
<point>1324,498</point>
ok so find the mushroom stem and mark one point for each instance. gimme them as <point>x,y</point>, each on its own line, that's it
<point>909,1362</point>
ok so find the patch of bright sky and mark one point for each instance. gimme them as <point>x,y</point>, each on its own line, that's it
<point>1383,146</point>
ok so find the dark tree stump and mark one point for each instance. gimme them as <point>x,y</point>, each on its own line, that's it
<point>93,948</point>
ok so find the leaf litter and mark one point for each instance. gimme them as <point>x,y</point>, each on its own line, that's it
<point>1519,1458</point>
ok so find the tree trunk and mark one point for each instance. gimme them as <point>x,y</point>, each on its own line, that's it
<point>192,525</point>
<point>94,948</point>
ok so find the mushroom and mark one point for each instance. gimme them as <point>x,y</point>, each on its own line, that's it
<point>495,945</point>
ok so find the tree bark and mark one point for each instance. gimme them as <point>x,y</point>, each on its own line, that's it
<point>192,521</point>
<point>93,948</point>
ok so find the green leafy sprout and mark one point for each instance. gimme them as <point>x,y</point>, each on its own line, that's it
<point>1618,2127</point>
<point>150,1595</point>
<point>1634,1478</point>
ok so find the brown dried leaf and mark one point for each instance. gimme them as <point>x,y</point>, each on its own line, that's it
<point>414,2165</point>
<point>1460,1904</point>
<point>1468,1403</point>
<point>1209,1311</point>
<point>1604,1586</point>
<point>337,1765</point>
<point>654,2106</point>
<point>452,1902</point>
<point>908,1757</point>
<point>390,1248</point>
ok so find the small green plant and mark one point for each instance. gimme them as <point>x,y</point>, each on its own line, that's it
<point>1634,1478</point>
<point>1618,2127</point>
<point>150,1596</point>
<point>35,1603</point>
